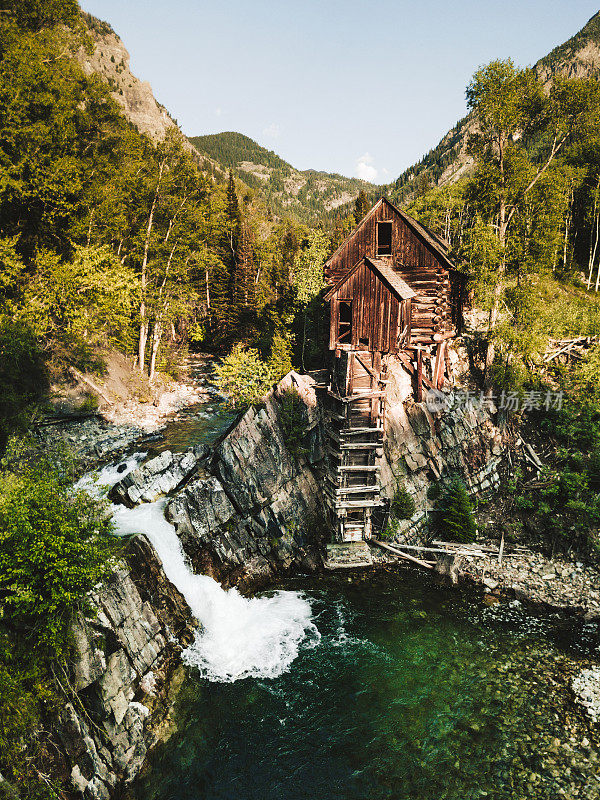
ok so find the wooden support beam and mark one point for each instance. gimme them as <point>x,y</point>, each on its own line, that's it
<point>354,468</point>
<point>356,431</point>
<point>419,393</point>
<point>358,489</point>
<point>362,446</point>
<point>358,504</point>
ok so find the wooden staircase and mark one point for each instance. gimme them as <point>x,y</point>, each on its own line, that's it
<point>355,411</point>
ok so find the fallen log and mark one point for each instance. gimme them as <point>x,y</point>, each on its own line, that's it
<point>399,554</point>
<point>90,384</point>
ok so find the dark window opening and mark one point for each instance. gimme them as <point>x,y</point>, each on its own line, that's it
<point>384,238</point>
<point>345,325</point>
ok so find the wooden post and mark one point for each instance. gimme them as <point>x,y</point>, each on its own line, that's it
<point>438,372</point>
<point>419,374</point>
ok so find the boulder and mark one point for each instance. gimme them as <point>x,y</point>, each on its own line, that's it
<point>159,476</point>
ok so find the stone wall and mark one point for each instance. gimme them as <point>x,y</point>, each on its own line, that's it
<point>125,655</point>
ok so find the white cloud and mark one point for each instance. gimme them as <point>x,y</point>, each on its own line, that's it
<point>272,131</point>
<point>364,168</point>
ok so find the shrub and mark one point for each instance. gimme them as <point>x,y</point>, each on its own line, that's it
<point>243,376</point>
<point>402,505</point>
<point>54,546</point>
<point>454,514</point>
<point>292,421</point>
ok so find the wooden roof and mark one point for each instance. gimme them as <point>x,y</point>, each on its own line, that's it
<point>386,274</point>
<point>430,239</point>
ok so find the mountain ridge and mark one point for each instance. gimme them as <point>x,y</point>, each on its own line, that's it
<point>311,196</point>
<point>448,161</point>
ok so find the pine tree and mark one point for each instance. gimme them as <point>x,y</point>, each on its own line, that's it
<point>454,514</point>
<point>361,206</point>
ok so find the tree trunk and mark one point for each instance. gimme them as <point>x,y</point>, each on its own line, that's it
<point>144,276</point>
<point>156,337</point>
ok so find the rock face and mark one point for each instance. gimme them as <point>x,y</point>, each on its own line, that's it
<point>125,656</point>
<point>586,687</point>
<point>110,59</point>
<point>258,510</point>
<point>421,446</point>
<point>159,476</point>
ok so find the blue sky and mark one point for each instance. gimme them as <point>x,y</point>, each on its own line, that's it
<point>348,86</point>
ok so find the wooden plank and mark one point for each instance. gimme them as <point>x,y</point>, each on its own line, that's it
<point>356,504</point>
<point>358,489</point>
<point>357,431</point>
<point>362,446</point>
<point>419,371</point>
<point>354,468</point>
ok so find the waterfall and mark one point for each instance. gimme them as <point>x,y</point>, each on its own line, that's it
<point>239,637</point>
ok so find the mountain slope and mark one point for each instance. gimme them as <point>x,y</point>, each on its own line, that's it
<point>579,57</point>
<point>307,195</point>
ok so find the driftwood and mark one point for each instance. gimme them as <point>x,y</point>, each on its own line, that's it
<point>399,554</point>
<point>90,384</point>
<point>573,348</point>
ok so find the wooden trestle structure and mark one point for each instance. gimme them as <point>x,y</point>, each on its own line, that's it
<point>355,411</point>
<point>394,292</point>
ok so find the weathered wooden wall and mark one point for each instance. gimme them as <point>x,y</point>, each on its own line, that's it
<point>378,317</point>
<point>407,248</point>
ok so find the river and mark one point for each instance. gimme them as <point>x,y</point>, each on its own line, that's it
<point>343,687</point>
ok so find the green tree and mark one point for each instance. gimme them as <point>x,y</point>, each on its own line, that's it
<point>243,376</point>
<point>454,514</point>
<point>309,278</point>
<point>23,377</point>
<point>54,547</point>
<point>362,206</point>
<point>76,305</point>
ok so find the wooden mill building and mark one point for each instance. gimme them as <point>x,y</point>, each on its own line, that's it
<point>394,291</point>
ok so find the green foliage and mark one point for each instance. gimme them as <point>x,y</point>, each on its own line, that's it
<point>243,376</point>
<point>84,301</point>
<point>54,547</point>
<point>38,14</point>
<point>23,377</point>
<point>280,360</point>
<point>402,505</point>
<point>362,206</point>
<point>454,517</point>
<point>308,267</point>
<point>291,413</point>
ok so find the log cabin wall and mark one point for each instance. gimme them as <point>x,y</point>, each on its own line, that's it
<point>378,317</point>
<point>416,258</point>
<point>431,309</point>
<point>408,248</point>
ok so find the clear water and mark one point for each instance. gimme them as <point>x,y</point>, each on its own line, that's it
<point>382,688</point>
<point>201,423</point>
<point>412,693</point>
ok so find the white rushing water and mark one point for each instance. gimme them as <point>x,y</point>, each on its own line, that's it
<point>239,637</point>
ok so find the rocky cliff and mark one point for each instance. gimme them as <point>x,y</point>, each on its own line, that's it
<point>426,442</point>
<point>257,509</point>
<point>126,652</point>
<point>109,59</point>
